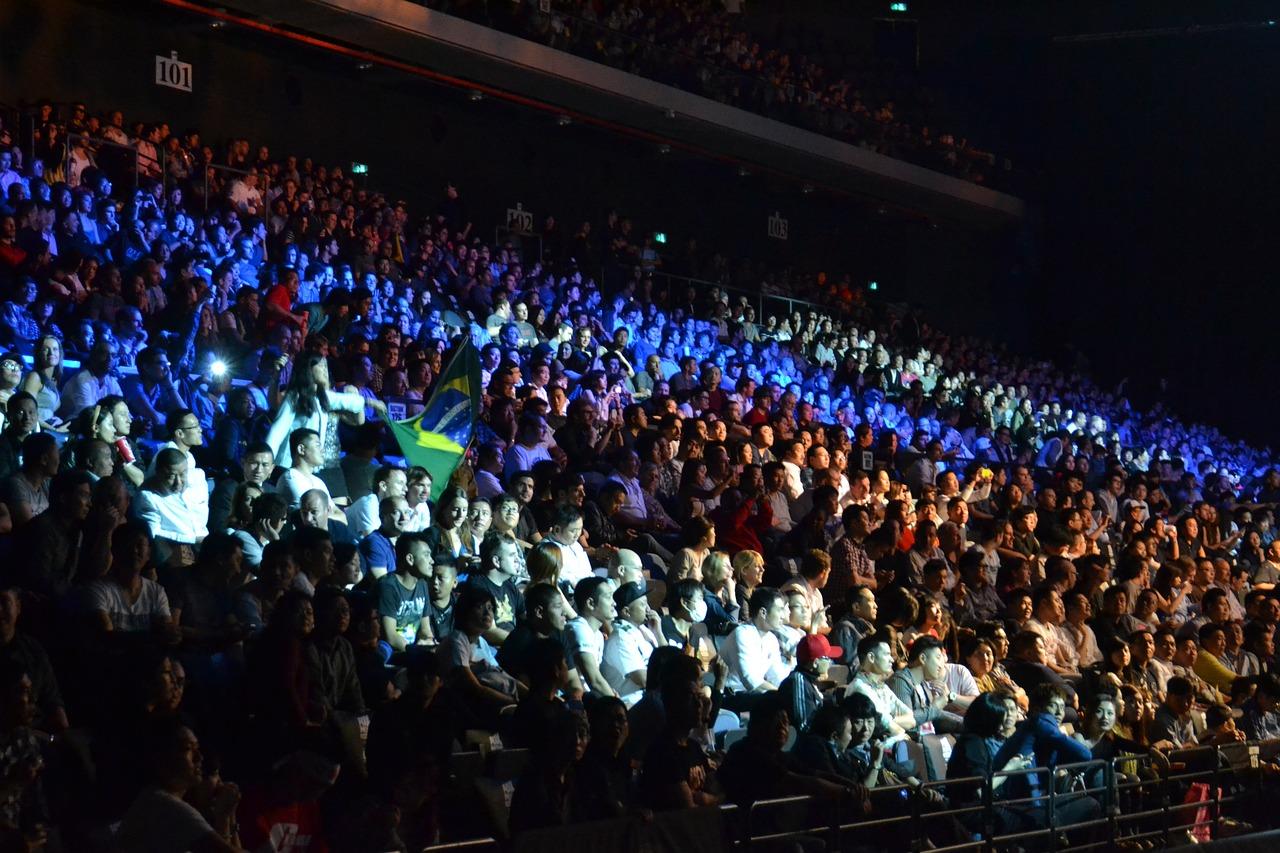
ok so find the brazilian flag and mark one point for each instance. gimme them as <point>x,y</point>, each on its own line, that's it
<point>437,438</point>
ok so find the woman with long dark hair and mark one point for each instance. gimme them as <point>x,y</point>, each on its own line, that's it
<point>310,402</point>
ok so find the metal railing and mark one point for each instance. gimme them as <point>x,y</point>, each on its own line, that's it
<point>93,147</point>
<point>665,284</point>
<point>1132,807</point>
<point>210,169</point>
<point>1137,802</point>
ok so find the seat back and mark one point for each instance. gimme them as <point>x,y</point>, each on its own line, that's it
<point>496,796</point>
<point>726,721</point>
<point>937,752</point>
<point>505,764</point>
<point>915,755</point>
<point>466,766</point>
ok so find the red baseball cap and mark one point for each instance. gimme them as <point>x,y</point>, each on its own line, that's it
<point>815,646</point>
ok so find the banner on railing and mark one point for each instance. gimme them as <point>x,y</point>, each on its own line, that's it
<point>173,73</point>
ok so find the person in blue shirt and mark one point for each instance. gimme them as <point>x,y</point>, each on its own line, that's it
<point>1040,737</point>
<point>1261,720</point>
<point>378,549</point>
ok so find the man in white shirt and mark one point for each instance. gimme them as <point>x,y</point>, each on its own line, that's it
<point>584,635</point>
<point>245,195</point>
<point>489,471</point>
<point>752,651</point>
<point>162,504</point>
<point>635,636</point>
<point>528,448</point>
<point>1049,613</point>
<point>776,479</point>
<point>93,383</point>
<point>304,445</point>
<point>363,515</point>
<point>875,665</point>
<point>185,433</point>
<point>566,531</point>
<point>7,174</point>
<point>792,459</point>
<point>633,512</point>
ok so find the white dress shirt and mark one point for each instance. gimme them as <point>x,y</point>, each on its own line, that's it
<point>363,517</point>
<point>626,651</point>
<point>794,486</point>
<point>170,517</point>
<point>754,657</point>
<point>197,492</point>
<point>295,483</point>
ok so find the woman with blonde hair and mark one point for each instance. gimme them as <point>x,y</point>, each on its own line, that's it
<point>748,573</point>
<point>543,563</point>
<point>722,600</point>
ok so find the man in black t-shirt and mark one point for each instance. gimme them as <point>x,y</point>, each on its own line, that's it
<point>676,772</point>
<point>440,587</point>
<point>499,565</point>
<point>401,596</point>
<point>544,618</point>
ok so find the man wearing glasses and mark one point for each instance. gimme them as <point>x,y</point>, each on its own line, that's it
<point>185,433</point>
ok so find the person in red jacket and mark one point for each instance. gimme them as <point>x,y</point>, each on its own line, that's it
<point>743,515</point>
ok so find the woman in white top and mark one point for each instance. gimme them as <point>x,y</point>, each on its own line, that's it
<point>310,402</point>
<point>43,383</point>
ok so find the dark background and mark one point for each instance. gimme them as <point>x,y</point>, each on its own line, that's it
<point>1162,216</point>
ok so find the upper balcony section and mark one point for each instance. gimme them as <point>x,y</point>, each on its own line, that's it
<point>412,37</point>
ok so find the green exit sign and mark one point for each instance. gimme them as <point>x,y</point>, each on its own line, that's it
<point>359,168</point>
<point>897,7</point>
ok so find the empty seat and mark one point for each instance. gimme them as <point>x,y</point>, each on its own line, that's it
<point>496,796</point>
<point>466,766</point>
<point>726,721</point>
<point>915,754</point>
<point>937,752</point>
<point>732,737</point>
<point>507,764</point>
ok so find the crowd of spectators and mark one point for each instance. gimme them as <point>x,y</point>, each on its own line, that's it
<point>231,616</point>
<point>703,47</point>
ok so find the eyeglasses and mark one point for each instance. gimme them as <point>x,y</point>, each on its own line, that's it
<point>189,426</point>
